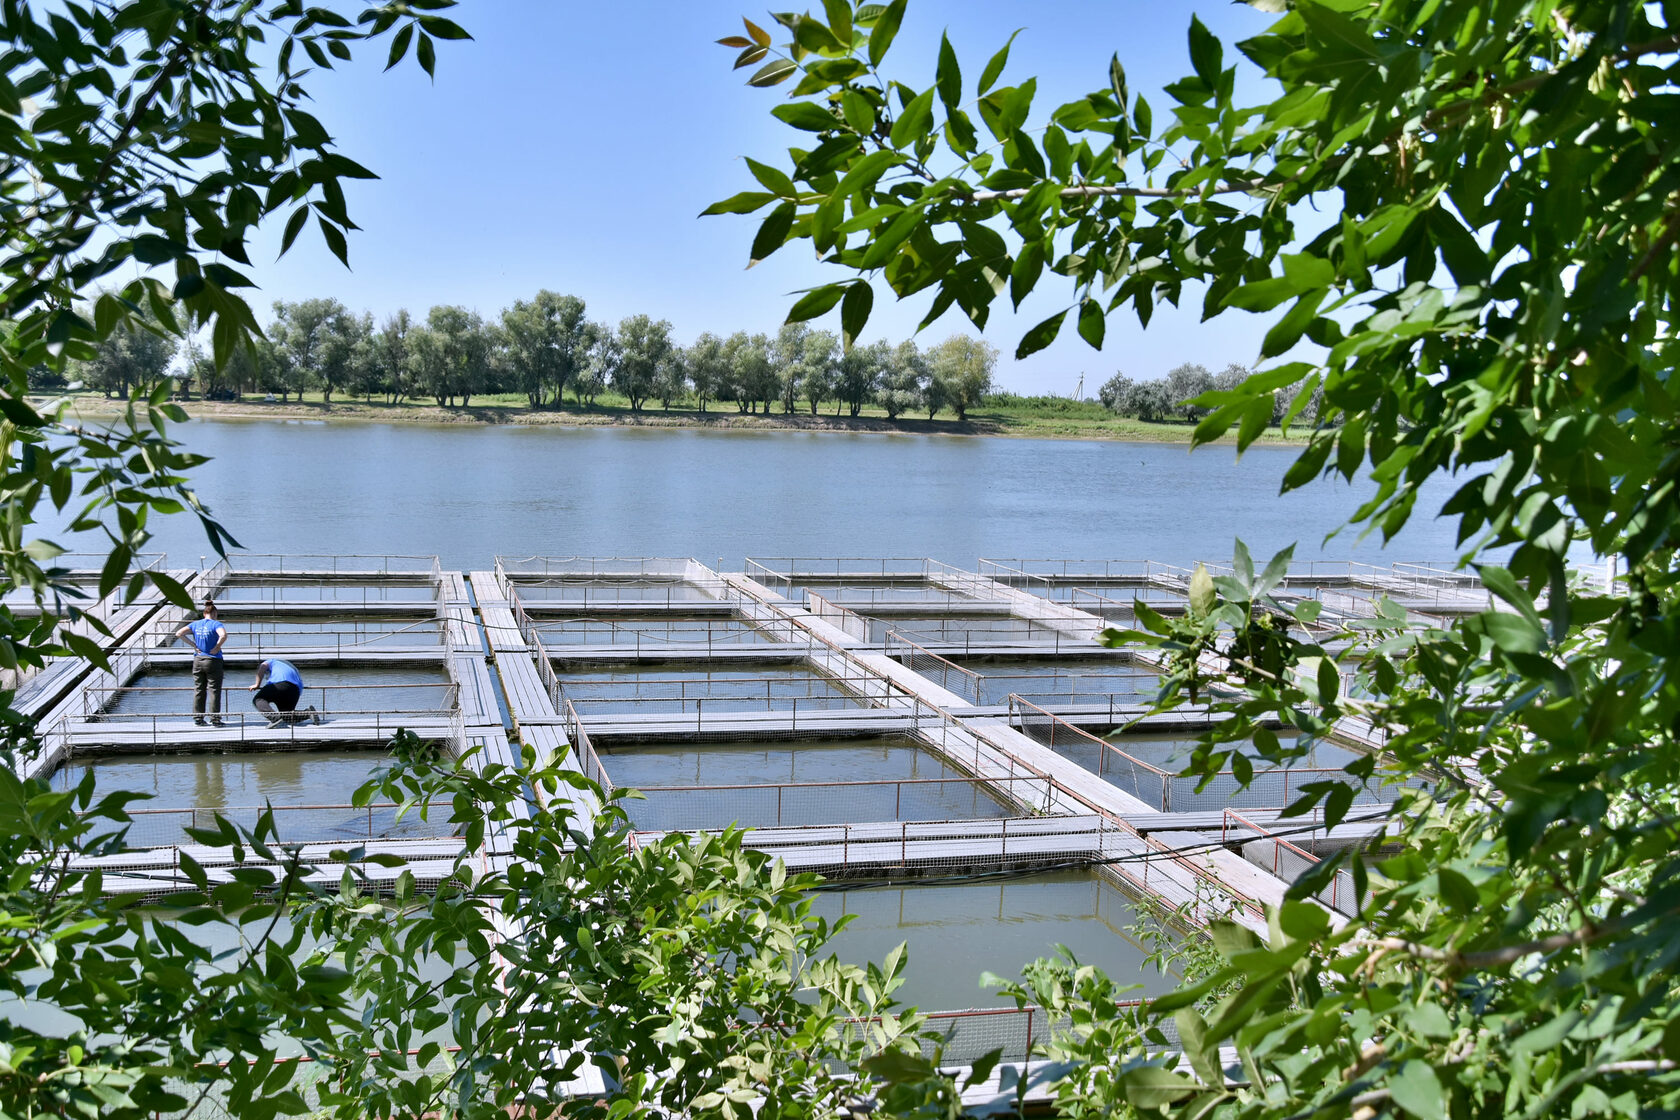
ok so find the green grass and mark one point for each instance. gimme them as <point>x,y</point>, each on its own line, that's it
<point>1006,414</point>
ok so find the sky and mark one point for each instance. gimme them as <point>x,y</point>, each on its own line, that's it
<point>572,147</point>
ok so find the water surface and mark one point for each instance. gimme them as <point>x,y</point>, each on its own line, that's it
<point>956,931</point>
<point>468,493</point>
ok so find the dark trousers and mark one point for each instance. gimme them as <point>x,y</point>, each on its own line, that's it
<point>207,684</point>
<point>283,695</point>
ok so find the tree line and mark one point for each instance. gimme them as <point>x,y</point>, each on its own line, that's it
<point>546,348</point>
<point>1172,397</point>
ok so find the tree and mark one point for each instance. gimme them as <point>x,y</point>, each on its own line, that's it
<point>644,346</point>
<point>962,368</point>
<point>546,343</point>
<point>1115,392</point>
<point>1471,212</point>
<point>708,367</point>
<point>788,355</point>
<point>903,380</point>
<point>600,367</point>
<point>389,358</point>
<point>318,336</point>
<point>819,361</point>
<point>453,357</point>
<point>860,373</point>
<point>1186,383</point>
<point>670,380</point>
<point>134,356</point>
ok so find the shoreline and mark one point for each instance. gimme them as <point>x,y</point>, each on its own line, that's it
<point>990,425</point>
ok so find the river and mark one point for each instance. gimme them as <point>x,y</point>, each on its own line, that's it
<point>468,494</point>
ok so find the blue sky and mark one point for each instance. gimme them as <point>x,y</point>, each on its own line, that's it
<point>572,147</point>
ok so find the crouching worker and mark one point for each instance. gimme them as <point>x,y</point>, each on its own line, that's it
<point>278,689</point>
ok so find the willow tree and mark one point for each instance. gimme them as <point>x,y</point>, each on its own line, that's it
<point>1470,213</point>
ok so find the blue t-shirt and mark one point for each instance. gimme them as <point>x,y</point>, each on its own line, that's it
<point>205,635</point>
<point>283,672</point>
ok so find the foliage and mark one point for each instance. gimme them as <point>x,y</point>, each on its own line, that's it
<point>545,343</point>
<point>962,368</point>
<point>694,974</point>
<point>1470,213</point>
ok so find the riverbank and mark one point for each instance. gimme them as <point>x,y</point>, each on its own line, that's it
<point>1077,421</point>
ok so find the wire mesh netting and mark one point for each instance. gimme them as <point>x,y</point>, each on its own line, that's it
<point>660,635</point>
<point>247,591</point>
<point>667,689</point>
<point>1165,790</point>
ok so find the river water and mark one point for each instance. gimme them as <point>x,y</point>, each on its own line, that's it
<point>469,493</point>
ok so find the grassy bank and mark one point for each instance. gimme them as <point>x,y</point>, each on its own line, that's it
<point>1030,418</point>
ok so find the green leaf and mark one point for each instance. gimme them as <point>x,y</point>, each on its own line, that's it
<point>854,312</point>
<point>994,68</point>
<point>1206,54</point>
<point>914,122</point>
<point>807,116</point>
<point>885,29</point>
<point>773,180</point>
<point>1040,336</point>
<point>772,73</point>
<point>1092,322</point>
<point>816,302</point>
<point>1202,595</point>
<point>335,240</point>
<point>399,45</point>
<point>840,21</point>
<point>294,225</point>
<point>772,234</point>
<point>1153,1087</point>
<point>1416,1089</point>
<point>898,1066</point>
<point>744,203</point>
<point>1117,81</point>
<point>1192,1034</point>
<point>426,55</point>
<point>948,76</point>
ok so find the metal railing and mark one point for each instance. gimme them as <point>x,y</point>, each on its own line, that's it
<point>1286,861</point>
<point>241,595</point>
<point>296,824</point>
<point>348,636</point>
<point>382,723</point>
<point>1168,791</point>
<point>946,673</point>
<point>583,751</point>
<point>750,693</point>
<point>611,567</point>
<point>348,564</point>
<point>698,636</point>
<point>574,592</point>
<point>98,700</point>
<point>852,623</point>
<point>806,804</point>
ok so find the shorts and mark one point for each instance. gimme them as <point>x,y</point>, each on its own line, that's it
<point>282,694</point>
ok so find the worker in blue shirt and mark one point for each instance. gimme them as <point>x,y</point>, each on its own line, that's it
<point>278,689</point>
<point>207,635</point>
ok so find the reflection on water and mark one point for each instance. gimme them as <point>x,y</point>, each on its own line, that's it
<point>309,792</point>
<point>220,781</point>
<point>958,930</point>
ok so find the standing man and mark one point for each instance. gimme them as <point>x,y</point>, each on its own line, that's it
<point>278,689</point>
<point>207,636</point>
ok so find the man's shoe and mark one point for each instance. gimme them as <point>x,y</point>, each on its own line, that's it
<point>216,723</point>
<point>316,716</point>
<point>275,723</point>
<point>198,720</point>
